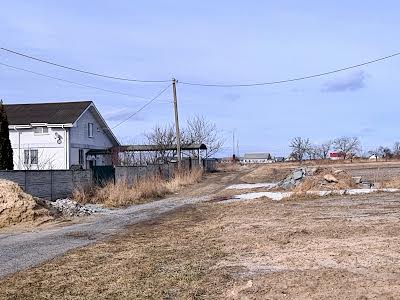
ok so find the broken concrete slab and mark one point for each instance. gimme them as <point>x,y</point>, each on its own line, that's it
<point>298,174</point>
<point>330,178</point>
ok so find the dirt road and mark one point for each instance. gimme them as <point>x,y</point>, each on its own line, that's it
<point>20,250</point>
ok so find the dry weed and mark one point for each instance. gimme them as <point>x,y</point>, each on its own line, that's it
<point>122,194</point>
<point>391,183</point>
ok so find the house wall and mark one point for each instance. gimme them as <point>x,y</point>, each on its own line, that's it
<point>51,155</point>
<point>79,139</point>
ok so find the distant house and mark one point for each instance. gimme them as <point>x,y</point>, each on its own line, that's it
<point>279,159</point>
<point>334,155</point>
<point>256,158</point>
<point>57,135</point>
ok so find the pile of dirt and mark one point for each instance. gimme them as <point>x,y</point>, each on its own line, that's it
<point>17,207</point>
<point>317,179</point>
<point>326,179</point>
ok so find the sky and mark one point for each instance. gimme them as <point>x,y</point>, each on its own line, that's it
<point>215,42</point>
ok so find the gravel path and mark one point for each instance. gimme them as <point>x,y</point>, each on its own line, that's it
<point>19,251</point>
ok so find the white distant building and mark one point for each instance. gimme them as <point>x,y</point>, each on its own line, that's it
<point>256,158</point>
<point>57,135</point>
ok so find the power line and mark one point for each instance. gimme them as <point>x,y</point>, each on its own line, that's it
<point>79,70</point>
<point>292,79</point>
<point>73,82</point>
<point>143,107</point>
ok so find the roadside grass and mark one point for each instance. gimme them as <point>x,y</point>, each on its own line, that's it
<point>122,194</point>
<point>391,183</point>
<point>259,249</point>
<point>170,258</point>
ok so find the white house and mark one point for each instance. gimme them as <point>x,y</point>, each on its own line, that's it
<point>256,158</point>
<point>57,135</point>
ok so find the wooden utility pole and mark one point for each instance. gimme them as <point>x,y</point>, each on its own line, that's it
<point>178,133</point>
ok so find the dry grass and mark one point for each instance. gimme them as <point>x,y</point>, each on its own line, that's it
<point>344,248</point>
<point>391,183</point>
<point>268,173</point>
<point>122,194</point>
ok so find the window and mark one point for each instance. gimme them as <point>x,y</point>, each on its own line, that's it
<point>41,130</point>
<point>34,157</point>
<point>26,157</point>
<point>81,159</point>
<point>31,157</point>
<point>90,130</point>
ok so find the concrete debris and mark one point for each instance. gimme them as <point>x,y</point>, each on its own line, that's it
<point>357,179</point>
<point>319,178</point>
<point>330,178</point>
<point>71,208</point>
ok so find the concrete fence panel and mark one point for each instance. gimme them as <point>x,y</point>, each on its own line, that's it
<point>49,184</point>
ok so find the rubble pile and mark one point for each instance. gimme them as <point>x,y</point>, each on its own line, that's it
<point>71,208</point>
<point>317,178</point>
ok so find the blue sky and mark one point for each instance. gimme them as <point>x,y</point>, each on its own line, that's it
<point>216,41</point>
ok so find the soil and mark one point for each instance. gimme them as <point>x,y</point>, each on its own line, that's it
<point>18,207</point>
<point>339,247</point>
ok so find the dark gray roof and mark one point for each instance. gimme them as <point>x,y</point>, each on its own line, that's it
<point>257,156</point>
<point>51,113</point>
<point>160,147</point>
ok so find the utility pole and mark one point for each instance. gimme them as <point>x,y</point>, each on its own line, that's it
<point>233,145</point>
<point>178,133</point>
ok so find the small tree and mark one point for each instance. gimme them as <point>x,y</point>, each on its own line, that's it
<point>322,151</point>
<point>300,147</point>
<point>348,146</point>
<point>6,152</point>
<point>198,130</point>
<point>396,149</point>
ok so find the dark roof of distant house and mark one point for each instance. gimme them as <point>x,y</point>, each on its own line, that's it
<point>257,156</point>
<point>51,113</point>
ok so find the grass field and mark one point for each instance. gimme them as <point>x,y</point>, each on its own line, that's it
<point>345,247</point>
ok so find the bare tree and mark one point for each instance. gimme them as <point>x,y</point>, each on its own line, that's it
<point>201,131</point>
<point>396,149</point>
<point>348,146</point>
<point>162,137</point>
<point>300,146</point>
<point>385,152</point>
<point>376,153</point>
<point>322,151</point>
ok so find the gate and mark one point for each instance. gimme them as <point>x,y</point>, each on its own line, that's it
<point>103,175</point>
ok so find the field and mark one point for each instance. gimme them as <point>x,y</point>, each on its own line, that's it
<point>338,247</point>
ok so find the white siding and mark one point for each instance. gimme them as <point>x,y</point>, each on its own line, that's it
<point>51,155</point>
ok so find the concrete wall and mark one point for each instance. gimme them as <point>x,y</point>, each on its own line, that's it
<point>131,174</point>
<point>51,184</point>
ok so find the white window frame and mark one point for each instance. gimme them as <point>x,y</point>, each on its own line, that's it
<point>28,157</point>
<point>90,130</point>
<point>40,130</point>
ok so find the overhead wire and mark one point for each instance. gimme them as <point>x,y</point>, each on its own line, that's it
<point>207,84</point>
<point>74,82</point>
<point>80,70</point>
<point>291,79</point>
<point>143,107</point>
